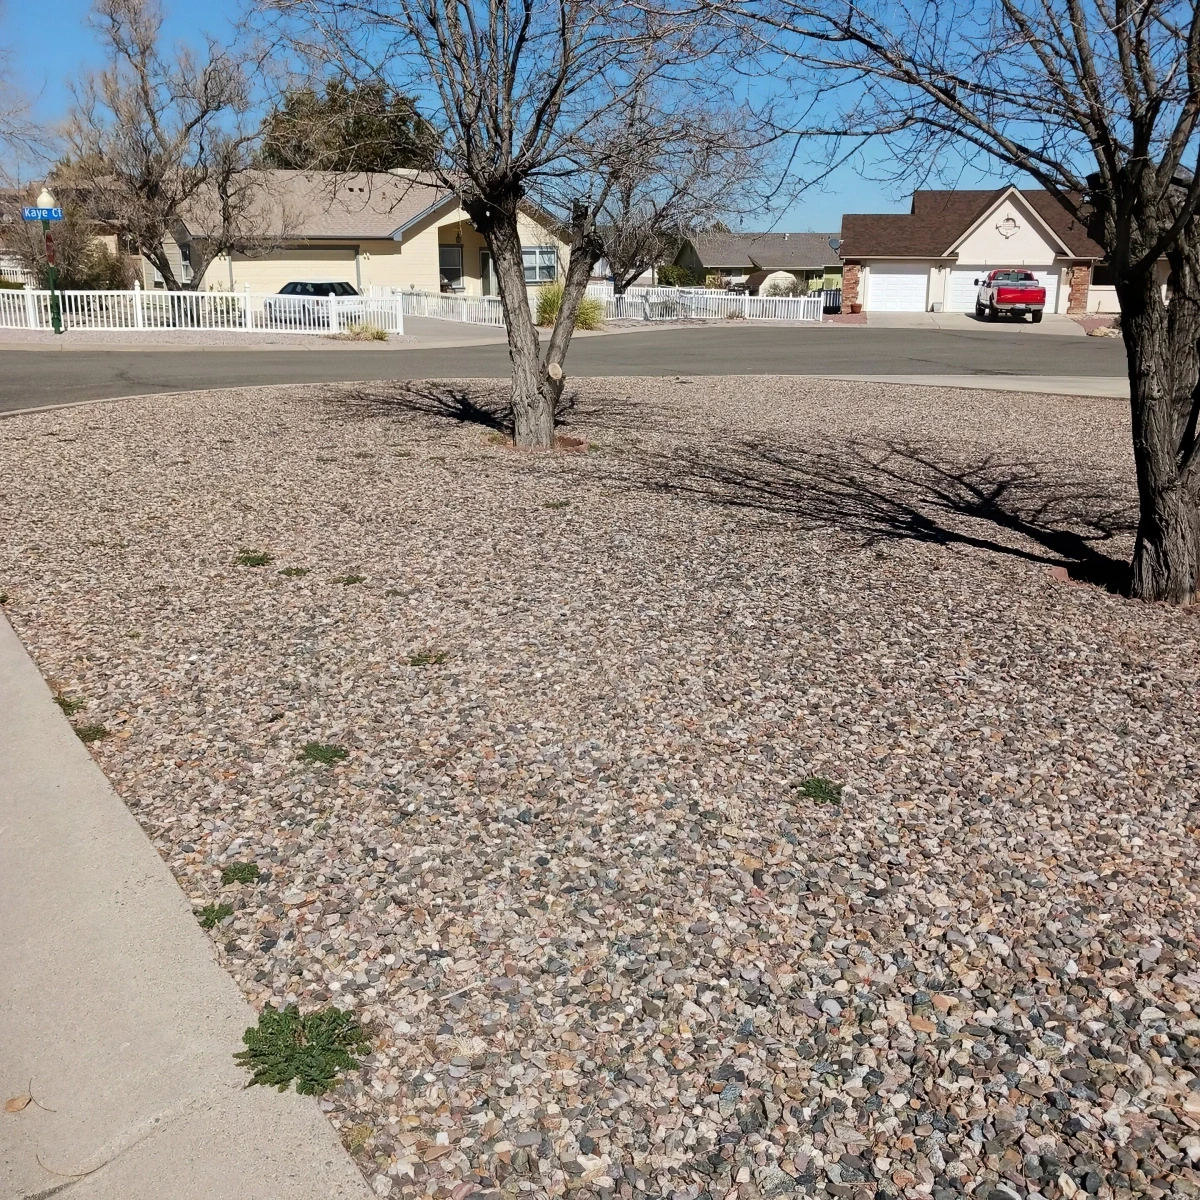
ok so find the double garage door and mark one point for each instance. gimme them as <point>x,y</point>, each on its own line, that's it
<point>961,290</point>
<point>905,288</point>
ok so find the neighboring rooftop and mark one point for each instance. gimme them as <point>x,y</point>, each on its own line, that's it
<point>939,218</point>
<point>766,251</point>
<point>328,204</point>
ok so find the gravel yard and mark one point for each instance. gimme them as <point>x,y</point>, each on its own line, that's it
<point>607,934</point>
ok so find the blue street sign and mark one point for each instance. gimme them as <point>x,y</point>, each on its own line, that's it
<point>41,214</point>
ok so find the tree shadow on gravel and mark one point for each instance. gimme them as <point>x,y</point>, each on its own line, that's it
<point>890,490</point>
<point>485,405</point>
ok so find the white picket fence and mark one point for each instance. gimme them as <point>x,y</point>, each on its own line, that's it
<point>472,310</point>
<point>705,304</point>
<point>251,312</point>
<point>235,312</point>
<point>637,304</point>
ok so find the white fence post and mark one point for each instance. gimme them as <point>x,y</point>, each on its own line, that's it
<point>139,319</point>
<point>31,309</point>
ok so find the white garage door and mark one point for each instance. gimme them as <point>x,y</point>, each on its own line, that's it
<point>961,292</point>
<point>897,289</point>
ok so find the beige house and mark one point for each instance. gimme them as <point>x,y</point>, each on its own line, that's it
<point>397,229</point>
<point>931,257</point>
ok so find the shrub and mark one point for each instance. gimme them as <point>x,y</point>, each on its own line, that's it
<point>549,301</point>
<point>365,331</point>
<point>781,287</point>
<point>674,276</point>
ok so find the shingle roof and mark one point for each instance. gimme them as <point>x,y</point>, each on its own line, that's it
<point>326,204</point>
<point>939,218</point>
<point>766,251</point>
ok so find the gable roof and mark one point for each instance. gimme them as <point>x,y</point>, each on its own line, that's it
<point>305,205</point>
<point>938,221</point>
<point>765,251</point>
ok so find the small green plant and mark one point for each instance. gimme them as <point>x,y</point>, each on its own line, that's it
<point>211,915</point>
<point>821,791</point>
<point>427,658</point>
<point>294,572</point>
<point>347,580</point>
<point>590,314</point>
<point>240,873</point>
<point>311,1049</point>
<point>69,705</point>
<point>557,504</point>
<point>253,558</point>
<point>325,753</point>
<point>91,733</point>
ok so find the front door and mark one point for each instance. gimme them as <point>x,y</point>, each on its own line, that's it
<point>487,276</point>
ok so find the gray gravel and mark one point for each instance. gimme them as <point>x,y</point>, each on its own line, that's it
<point>605,940</point>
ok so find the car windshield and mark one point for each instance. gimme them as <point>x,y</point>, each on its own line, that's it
<point>1014,277</point>
<point>317,289</point>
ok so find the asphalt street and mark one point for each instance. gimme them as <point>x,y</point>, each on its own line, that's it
<point>31,378</point>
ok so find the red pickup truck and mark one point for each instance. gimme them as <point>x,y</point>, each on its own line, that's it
<point>1011,292</point>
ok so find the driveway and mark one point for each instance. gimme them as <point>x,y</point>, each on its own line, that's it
<point>35,378</point>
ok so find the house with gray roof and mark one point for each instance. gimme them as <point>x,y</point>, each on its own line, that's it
<point>750,257</point>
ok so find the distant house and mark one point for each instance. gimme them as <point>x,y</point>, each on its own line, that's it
<point>393,229</point>
<point>739,257</point>
<point>929,258</point>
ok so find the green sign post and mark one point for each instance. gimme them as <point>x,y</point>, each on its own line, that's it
<point>46,211</point>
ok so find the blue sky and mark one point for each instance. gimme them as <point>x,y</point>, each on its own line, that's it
<point>49,45</point>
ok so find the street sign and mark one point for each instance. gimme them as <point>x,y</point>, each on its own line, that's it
<point>41,214</point>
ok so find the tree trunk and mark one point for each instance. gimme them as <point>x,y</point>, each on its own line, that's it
<point>585,252</point>
<point>1160,341</point>
<point>534,395</point>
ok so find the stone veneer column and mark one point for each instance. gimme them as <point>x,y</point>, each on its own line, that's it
<point>850,274</point>
<point>1079,281</point>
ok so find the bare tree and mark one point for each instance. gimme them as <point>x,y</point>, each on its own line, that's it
<point>1098,102</point>
<point>528,96</point>
<point>156,136</point>
<point>673,169</point>
<point>22,141</point>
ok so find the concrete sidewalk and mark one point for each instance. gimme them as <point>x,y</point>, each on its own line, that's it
<point>114,1005</point>
<point>1115,387</point>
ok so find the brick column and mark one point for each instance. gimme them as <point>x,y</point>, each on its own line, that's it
<point>850,275</point>
<point>1079,281</point>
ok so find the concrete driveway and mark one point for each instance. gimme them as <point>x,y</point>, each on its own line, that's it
<point>1051,324</point>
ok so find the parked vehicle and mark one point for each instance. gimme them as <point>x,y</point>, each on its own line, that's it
<point>305,303</point>
<point>1011,292</point>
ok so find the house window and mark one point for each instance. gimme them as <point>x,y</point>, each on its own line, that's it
<point>450,268</point>
<point>541,264</point>
<point>1102,275</point>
